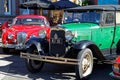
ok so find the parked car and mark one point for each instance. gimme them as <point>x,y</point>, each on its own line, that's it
<point>23,28</point>
<point>0,29</point>
<point>116,69</point>
<point>87,34</point>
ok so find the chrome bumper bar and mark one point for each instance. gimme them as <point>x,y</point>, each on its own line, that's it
<point>50,59</point>
<point>15,46</point>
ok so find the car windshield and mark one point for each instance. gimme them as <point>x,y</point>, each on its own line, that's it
<point>28,21</point>
<point>92,17</point>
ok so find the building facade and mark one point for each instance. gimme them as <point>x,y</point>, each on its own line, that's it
<point>10,8</point>
<point>104,2</point>
<point>115,2</point>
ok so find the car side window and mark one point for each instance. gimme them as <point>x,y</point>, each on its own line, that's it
<point>118,17</point>
<point>109,18</point>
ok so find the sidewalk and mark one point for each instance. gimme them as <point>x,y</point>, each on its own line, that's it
<point>3,67</point>
<point>11,67</point>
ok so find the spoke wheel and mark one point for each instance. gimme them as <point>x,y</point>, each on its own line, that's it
<point>85,64</point>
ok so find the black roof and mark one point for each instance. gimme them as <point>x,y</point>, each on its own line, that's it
<point>96,7</point>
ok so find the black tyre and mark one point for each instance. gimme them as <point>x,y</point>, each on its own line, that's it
<point>6,50</point>
<point>85,64</point>
<point>33,66</point>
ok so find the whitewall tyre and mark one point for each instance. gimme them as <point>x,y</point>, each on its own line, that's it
<point>85,64</point>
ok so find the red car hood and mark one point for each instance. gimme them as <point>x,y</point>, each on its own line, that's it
<point>25,28</point>
<point>29,30</point>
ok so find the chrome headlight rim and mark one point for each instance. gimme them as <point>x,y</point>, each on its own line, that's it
<point>10,36</point>
<point>68,35</point>
<point>42,34</point>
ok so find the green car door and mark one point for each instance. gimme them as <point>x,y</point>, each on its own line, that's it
<point>103,36</point>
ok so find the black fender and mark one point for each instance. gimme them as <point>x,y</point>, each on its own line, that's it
<point>37,42</point>
<point>91,45</point>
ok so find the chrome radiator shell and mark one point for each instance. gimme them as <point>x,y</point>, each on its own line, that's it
<point>21,38</point>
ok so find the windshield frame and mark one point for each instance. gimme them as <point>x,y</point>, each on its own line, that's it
<point>22,22</point>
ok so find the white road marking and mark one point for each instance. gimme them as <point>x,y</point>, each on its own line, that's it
<point>4,67</point>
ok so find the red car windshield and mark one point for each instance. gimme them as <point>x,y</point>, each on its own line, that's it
<point>28,21</point>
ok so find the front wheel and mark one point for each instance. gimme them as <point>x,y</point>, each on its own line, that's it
<point>85,64</point>
<point>33,66</point>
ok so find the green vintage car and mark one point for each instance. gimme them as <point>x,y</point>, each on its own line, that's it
<point>86,34</point>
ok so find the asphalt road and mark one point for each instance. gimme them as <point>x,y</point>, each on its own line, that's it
<point>12,67</point>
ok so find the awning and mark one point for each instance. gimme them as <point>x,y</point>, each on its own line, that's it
<point>36,4</point>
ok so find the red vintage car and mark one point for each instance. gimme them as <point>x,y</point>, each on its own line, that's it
<point>22,29</point>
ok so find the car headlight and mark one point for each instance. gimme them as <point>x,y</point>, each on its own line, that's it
<point>10,36</point>
<point>42,34</point>
<point>68,35</point>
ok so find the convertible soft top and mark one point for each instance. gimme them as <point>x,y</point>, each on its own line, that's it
<point>95,7</point>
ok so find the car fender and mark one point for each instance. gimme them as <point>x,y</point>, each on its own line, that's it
<point>37,42</point>
<point>91,45</point>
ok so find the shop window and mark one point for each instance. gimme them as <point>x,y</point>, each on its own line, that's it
<point>7,7</point>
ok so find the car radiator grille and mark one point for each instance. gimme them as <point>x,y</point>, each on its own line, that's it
<point>57,42</point>
<point>21,37</point>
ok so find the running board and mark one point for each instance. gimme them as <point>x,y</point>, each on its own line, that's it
<point>111,57</point>
<point>49,59</point>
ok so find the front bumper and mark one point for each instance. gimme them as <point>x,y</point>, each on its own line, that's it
<point>49,59</point>
<point>15,46</point>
